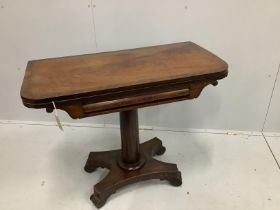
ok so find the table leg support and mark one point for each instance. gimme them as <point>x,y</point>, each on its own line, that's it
<point>130,166</point>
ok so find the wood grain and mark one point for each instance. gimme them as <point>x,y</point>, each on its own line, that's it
<point>84,75</point>
<point>102,83</point>
<point>123,81</point>
<point>118,177</point>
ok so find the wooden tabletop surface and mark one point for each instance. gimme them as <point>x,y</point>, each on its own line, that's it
<point>75,76</point>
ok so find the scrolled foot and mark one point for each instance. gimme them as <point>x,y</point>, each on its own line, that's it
<point>90,168</point>
<point>161,150</point>
<point>97,200</point>
<point>153,147</point>
<point>175,180</point>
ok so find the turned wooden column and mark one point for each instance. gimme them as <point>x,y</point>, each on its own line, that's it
<point>130,156</point>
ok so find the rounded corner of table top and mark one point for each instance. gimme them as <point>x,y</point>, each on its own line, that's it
<point>224,72</point>
<point>30,98</point>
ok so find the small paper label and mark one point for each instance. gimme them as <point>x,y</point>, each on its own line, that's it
<point>57,117</point>
<point>58,122</point>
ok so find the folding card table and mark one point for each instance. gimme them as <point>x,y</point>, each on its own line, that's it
<point>123,81</point>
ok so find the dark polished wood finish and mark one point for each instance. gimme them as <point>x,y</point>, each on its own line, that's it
<point>102,83</point>
<point>130,140</point>
<point>135,162</point>
<point>123,81</point>
<point>117,177</point>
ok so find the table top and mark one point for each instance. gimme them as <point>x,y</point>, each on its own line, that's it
<point>77,76</point>
<point>100,83</point>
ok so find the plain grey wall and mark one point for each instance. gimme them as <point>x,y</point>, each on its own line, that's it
<point>244,33</point>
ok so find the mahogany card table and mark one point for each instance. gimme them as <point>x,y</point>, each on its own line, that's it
<point>123,81</point>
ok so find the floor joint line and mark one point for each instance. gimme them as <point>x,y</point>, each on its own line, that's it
<point>270,99</point>
<point>202,131</point>
<point>271,151</point>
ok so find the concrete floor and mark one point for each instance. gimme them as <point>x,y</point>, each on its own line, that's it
<point>42,168</point>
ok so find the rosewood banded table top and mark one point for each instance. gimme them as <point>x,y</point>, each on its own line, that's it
<point>100,83</point>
